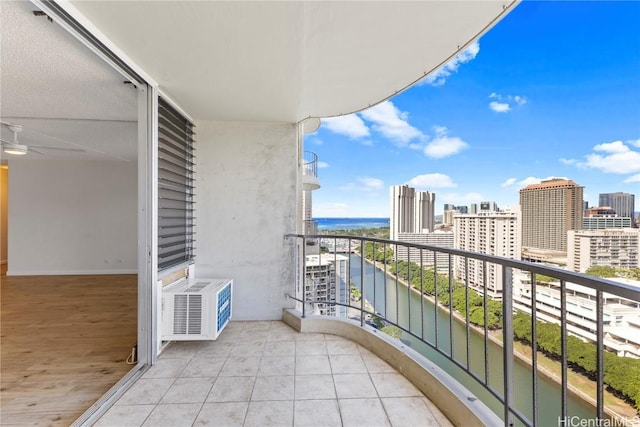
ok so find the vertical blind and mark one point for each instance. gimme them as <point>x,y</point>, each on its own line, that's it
<point>175,187</point>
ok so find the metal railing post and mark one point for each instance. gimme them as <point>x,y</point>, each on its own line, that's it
<point>507,345</point>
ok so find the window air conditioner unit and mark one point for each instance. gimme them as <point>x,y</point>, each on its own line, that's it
<point>196,309</point>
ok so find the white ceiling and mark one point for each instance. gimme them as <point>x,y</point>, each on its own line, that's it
<point>289,60</point>
<point>60,92</point>
<point>219,60</point>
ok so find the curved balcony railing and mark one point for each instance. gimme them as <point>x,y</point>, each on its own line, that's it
<point>310,164</point>
<point>468,280</point>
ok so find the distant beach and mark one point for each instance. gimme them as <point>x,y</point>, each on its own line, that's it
<point>350,223</point>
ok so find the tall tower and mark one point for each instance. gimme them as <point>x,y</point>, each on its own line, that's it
<point>622,203</point>
<point>490,232</point>
<point>549,210</point>
<point>411,211</point>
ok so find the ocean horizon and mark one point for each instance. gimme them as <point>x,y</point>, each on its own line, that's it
<point>350,223</point>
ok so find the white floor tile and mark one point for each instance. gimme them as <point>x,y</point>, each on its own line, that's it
<point>173,415</point>
<point>269,414</point>
<point>231,389</point>
<point>314,387</point>
<point>316,413</point>
<point>273,388</point>
<point>223,414</point>
<point>363,413</point>
<point>350,386</point>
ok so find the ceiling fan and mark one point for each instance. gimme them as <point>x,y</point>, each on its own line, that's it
<point>15,148</point>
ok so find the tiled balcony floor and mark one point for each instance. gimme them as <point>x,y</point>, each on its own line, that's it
<point>267,374</point>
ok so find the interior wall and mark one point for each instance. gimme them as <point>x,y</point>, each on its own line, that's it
<point>246,183</point>
<point>4,187</point>
<point>72,217</point>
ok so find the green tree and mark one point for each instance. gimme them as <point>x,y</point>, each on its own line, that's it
<point>392,331</point>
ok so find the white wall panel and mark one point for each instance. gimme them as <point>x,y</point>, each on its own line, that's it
<point>246,180</point>
<point>72,217</point>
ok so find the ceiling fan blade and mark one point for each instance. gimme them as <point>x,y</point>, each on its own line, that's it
<point>43,147</point>
<point>31,150</point>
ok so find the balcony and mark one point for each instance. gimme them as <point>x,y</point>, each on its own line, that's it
<point>475,343</point>
<point>310,172</point>
<point>342,367</point>
<point>268,374</point>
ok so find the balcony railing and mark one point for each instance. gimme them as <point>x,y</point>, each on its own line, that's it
<point>310,165</point>
<point>417,297</point>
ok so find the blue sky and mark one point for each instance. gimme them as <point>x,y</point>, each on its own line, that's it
<point>553,90</point>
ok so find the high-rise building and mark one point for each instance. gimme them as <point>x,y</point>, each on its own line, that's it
<point>449,207</point>
<point>411,211</point>
<point>447,217</point>
<point>622,203</point>
<point>488,207</point>
<point>325,280</point>
<point>493,233</point>
<point>601,222</point>
<point>473,208</point>
<point>550,209</point>
<point>439,238</point>
<point>612,248</point>
<point>462,209</point>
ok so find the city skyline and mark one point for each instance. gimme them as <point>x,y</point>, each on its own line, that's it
<point>553,90</point>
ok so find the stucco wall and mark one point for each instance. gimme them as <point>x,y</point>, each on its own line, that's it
<point>72,217</point>
<point>246,181</point>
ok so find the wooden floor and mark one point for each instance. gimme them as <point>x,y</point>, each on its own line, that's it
<point>65,340</point>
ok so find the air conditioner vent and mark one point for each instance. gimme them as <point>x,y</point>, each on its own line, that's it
<point>196,310</point>
<point>195,315</point>
<point>197,287</point>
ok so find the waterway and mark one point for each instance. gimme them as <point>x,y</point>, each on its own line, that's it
<point>394,302</point>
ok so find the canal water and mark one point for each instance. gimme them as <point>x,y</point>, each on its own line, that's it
<point>394,302</point>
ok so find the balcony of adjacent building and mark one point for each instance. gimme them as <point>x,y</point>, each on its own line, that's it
<point>310,180</point>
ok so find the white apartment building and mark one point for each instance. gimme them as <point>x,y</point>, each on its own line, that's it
<point>611,247</point>
<point>439,238</point>
<point>493,233</point>
<point>325,280</point>
<point>447,217</point>
<point>411,211</point>
<point>621,316</point>
<point>601,222</point>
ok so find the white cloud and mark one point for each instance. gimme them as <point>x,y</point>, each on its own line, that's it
<point>617,158</point>
<point>520,100</point>
<point>432,180</point>
<point>632,178</point>
<point>499,107</point>
<point>444,145</point>
<point>509,182</point>
<point>366,184</point>
<point>392,123</point>
<point>612,147</point>
<point>371,183</point>
<point>503,103</point>
<point>634,142</point>
<point>439,77</point>
<point>350,125</point>
<point>567,161</point>
<point>322,165</point>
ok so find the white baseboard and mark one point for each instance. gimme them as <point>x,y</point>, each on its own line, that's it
<point>67,272</point>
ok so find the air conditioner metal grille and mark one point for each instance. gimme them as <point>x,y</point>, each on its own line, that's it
<point>180,314</point>
<point>195,315</point>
